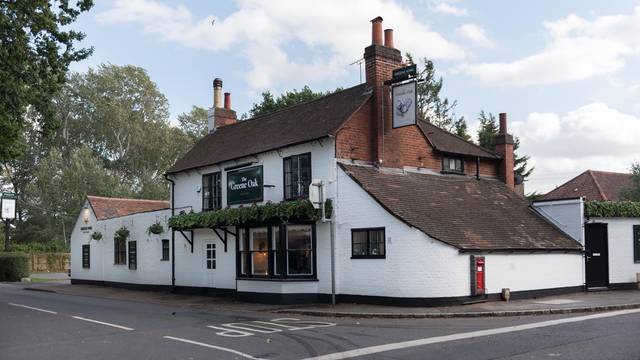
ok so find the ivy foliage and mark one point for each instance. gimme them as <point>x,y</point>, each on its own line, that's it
<point>288,211</point>
<point>612,208</point>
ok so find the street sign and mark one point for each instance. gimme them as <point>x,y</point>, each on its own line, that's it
<point>8,205</point>
<point>245,185</point>
<point>405,73</point>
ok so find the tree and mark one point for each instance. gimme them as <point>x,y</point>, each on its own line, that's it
<point>194,123</point>
<point>59,187</point>
<point>434,109</point>
<point>633,193</point>
<point>269,103</point>
<point>35,55</point>
<point>486,138</point>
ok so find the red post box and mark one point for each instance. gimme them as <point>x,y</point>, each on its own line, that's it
<point>478,285</point>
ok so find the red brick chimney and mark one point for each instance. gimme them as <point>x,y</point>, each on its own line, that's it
<point>219,116</point>
<point>504,148</point>
<point>380,60</point>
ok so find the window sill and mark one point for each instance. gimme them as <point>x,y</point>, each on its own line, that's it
<point>164,260</point>
<point>451,172</point>
<point>368,257</point>
<point>120,264</point>
<point>301,279</point>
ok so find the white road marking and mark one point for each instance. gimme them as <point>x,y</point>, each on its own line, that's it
<point>103,323</point>
<point>33,308</point>
<point>468,335</point>
<point>213,347</point>
<point>267,327</point>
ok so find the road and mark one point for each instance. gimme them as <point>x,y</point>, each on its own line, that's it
<point>40,325</point>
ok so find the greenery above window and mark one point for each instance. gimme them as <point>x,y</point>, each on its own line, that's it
<point>121,234</point>
<point>612,209</point>
<point>298,210</point>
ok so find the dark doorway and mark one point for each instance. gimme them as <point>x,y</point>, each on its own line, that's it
<point>597,255</point>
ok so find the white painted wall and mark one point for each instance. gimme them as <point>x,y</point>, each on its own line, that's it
<point>150,268</point>
<point>191,267</point>
<point>520,272</point>
<point>188,197</point>
<point>622,268</point>
<point>418,266</point>
<point>567,215</point>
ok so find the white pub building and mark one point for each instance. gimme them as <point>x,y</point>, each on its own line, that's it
<point>350,195</point>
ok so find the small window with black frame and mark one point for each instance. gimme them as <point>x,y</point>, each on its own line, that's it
<point>452,165</point>
<point>133,255</point>
<point>120,251</point>
<point>86,256</point>
<point>368,243</point>
<point>165,250</point>
<point>212,191</point>
<point>297,176</point>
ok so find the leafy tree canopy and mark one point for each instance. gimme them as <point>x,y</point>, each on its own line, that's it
<point>37,48</point>
<point>194,123</point>
<point>269,103</point>
<point>487,132</point>
<point>633,193</point>
<point>434,108</point>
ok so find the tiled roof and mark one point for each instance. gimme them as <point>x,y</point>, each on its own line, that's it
<point>107,208</point>
<point>293,125</point>
<point>466,213</point>
<point>447,142</point>
<point>593,185</point>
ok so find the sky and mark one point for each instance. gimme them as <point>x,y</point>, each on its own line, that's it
<point>566,72</point>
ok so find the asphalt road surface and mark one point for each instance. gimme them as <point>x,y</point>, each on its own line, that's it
<point>39,325</point>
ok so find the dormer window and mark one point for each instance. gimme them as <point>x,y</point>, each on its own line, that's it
<point>452,165</point>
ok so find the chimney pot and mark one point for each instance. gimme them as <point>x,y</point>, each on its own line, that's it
<point>227,101</point>
<point>217,93</point>
<point>388,38</point>
<point>376,31</point>
<point>503,123</point>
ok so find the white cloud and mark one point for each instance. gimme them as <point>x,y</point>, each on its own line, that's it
<point>475,34</point>
<point>635,89</point>
<point>449,9</point>
<point>593,136</point>
<point>579,49</point>
<point>261,30</point>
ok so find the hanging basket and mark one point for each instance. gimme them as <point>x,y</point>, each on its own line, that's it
<point>96,235</point>
<point>121,234</point>
<point>155,228</point>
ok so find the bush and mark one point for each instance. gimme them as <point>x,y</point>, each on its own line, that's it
<point>13,266</point>
<point>37,247</point>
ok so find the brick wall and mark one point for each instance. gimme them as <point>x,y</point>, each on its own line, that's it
<point>355,140</point>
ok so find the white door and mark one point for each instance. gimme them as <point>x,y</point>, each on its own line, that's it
<point>210,262</point>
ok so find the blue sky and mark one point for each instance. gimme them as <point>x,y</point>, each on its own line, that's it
<point>566,72</point>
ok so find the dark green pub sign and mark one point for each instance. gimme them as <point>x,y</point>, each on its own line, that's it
<point>245,185</point>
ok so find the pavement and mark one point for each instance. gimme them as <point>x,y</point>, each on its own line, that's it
<point>581,302</point>
<point>44,324</point>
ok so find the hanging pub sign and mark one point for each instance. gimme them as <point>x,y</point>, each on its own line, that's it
<point>404,98</point>
<point>245,185</point>
<point>8,205</point>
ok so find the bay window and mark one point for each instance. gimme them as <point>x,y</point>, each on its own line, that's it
<point>277,252</point>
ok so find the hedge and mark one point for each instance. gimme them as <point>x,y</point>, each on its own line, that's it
<point>612,209</point>
<point>13,266</point>
<point>298,210</point>
<point>37,247</point>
